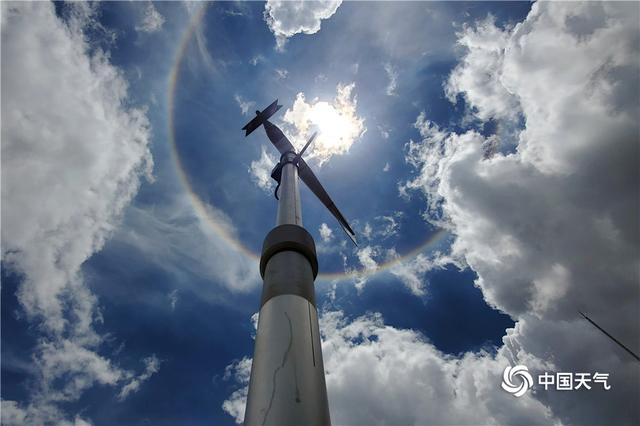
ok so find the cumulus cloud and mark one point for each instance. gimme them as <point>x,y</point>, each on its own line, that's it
<point>386,167</point>
<point>239,371</point>
<point>365,256</point>
<point>152,20</point>
<point>288,18</point>
<point>378,374</point>
<point>551,228</point>
<point>325,232</point>
<point>72,157</point>
<point>260,170</point>
<point>50,229</point>
<point>478,78</point>
<point>364,355</point>
<point>337,122</point>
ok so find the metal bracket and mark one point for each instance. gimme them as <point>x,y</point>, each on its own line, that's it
<point>276,173</point>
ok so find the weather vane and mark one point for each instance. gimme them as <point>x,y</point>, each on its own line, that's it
<point>287,385</point>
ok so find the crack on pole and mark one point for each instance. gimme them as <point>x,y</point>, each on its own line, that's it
<point>280,367</point>
<point>295,377</point>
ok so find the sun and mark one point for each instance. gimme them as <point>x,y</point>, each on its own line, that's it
<point>337,129</point>
<point>334,128</point>
<point>337,123</point>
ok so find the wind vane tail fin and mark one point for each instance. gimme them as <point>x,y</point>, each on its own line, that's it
<point>261,117</point>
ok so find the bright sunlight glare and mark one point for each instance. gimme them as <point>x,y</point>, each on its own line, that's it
<point>337,123</point>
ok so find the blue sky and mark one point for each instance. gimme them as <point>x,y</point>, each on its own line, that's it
<point>487,159</point>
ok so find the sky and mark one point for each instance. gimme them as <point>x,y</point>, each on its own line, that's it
<point>486,154</point>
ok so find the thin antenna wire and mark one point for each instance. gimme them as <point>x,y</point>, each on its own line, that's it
<point>610,336</point>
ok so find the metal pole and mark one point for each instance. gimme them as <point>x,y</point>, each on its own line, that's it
<point>289,210</point>
<point>287,385</point>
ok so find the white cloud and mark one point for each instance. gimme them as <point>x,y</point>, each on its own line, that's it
<point>325,233</point>
<point>287,18</point>
<point>173,298</point>
<point>260,170</point>
<point>366,257</point>
<point>229,12</point>
<point>551,228</point>
<point>66,369</point>
<point>390,225</point>
<point>255,60</point>
<point>192,245</point>
<point>245,105</point>
<point>378,374</point>
<point>72,158</point>
<point>152,20</point>
<point>194,8</point>
<point>392,74</point>
<point>367,232</point>
<point>254,320</point>
<point>337,122</point>
<point>152,366</point>
<point>240,372</point>
<point>364,356</point>
<point>70,359</point>
<point>14,415</point>
<point>412,273</point>
<point>281,73</point>
<point>386,167</point>
<point>384,132</point>
<point>384,226</point>
<point>479,75</point>
<point>50,229</point>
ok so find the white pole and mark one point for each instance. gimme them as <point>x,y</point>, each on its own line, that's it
<point>287,385</point>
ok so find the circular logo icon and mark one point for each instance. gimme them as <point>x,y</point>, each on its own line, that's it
<point>517,380</point>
